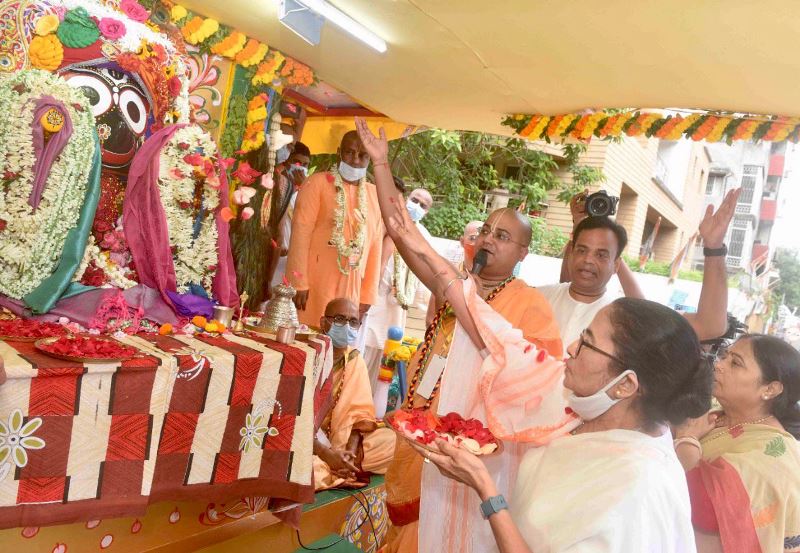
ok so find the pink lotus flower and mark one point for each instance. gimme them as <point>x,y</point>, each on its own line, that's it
<point>111,28</point>
<point>246,174</point>
<point>134,10</point>
<point>247,213</point>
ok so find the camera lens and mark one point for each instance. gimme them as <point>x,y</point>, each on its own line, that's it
<point>598,207</point>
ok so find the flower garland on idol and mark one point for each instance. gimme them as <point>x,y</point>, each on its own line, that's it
<point>351,250</point>
<point>711,127</point>
<point>189,187</point>
<point>31,240</point>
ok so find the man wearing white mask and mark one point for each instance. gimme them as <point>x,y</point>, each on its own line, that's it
<point>349,442</point>
<point>399,288</point>
<point>335,248</point>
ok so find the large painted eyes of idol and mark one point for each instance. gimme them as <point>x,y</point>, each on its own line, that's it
<point>133,110</point>
<point>95,90</point>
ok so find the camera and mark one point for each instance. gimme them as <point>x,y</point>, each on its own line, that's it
<point>600,204</point>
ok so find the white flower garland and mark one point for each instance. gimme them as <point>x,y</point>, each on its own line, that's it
<point>405,282</point>
<point>102,260</point>
<point>355,247</point>
<point>31,243</point>
<point>195,259</point>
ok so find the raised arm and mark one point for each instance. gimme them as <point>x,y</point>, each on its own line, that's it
<point>711,319</point>
<point>434,271</point>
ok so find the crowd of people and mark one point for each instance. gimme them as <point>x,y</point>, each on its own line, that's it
<point>622,447</point>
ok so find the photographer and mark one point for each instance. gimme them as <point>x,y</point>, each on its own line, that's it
<point>584,258</point>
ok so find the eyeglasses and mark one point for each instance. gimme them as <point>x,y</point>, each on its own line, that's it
<point>341,320</point>
<point>499,235</point>
<point>582,342</point>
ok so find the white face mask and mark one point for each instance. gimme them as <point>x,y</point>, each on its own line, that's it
<point>591,407</point>
<point>415,211</point>
<point>350,173</point>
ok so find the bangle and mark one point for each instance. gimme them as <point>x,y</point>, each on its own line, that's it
<point>449,284</point>
<point>691,440</point>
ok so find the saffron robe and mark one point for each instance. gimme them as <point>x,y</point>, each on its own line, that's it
<point>312,261</point>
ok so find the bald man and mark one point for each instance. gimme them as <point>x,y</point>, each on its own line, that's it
<point>349,442</point>
<point>399,289</point>
<point>335,249</point>
<point>504,238</point>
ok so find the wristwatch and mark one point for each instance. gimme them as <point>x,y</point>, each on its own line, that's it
<point>716,252</point>
<point>493,505</point>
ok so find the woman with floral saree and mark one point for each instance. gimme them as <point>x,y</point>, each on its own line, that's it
<point>743,464</point>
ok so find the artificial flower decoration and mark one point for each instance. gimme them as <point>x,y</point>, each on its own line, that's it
<point>78,30</point>
<point>247,213</point>
<point>267,182</point>
<point>246,174</point>
<point>134,10</point>
<point>46,25</point>
<point>230,45</point>
<point>178,12</point>
<point>243,195</point>
<point>46,52</point>
<point>111,28</point>
<point>226,214</point>
<point>52,121</point>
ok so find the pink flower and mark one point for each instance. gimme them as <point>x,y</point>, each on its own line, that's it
<point>267,182</point>
<point>176,173</point>
<point>213,181</point>
<point>174,85</point>
<point>194,159</point>
<point>112,28</point>
<point>134,10</point>
<point>226,162</point>
<point>247,213</point>
<point>60,11</point>
<point>246,174</point>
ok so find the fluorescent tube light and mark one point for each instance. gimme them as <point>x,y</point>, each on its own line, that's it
<point>335,16</point>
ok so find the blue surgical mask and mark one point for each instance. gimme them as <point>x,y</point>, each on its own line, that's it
<point>415,211</point>
<point>282,154</point>
<point>517,269</point>
<point>350,173</point>
<point>342,335</point>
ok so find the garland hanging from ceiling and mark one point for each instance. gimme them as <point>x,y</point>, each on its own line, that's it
<point>652,124</point>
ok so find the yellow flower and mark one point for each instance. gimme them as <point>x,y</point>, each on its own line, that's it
<point>46,52</point>
<point>169,71</point>
<point>178,12</point>
<point>258,114</point>
<point>47,24</point>
<point>52,121</point>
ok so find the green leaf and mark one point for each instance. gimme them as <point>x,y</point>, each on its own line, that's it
<point>776,447</point>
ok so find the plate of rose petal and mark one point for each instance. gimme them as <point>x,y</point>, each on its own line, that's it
<point>86,349</point>
<point>29,330</point>
<point>422,427</point>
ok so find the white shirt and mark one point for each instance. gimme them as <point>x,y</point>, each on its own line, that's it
<point>572,315</point>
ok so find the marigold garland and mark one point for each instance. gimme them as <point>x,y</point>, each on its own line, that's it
<point>694,126</point>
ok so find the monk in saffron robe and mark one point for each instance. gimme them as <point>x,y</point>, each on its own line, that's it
<point>443,377</point>
<point>350,443</point>
<point>335,249</point>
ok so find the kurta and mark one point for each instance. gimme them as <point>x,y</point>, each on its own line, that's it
<point>312,261</point>
<point>525,309</point>
<point>353,411</point>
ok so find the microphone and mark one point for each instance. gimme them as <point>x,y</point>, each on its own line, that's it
<point>479,262</point>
